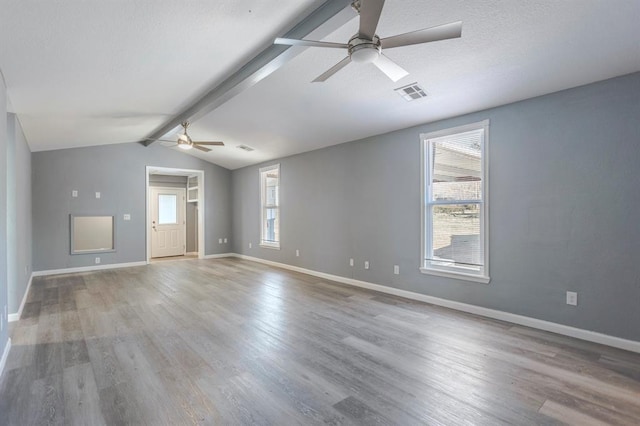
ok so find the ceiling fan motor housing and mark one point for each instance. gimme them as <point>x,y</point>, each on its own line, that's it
<point>364,51</point>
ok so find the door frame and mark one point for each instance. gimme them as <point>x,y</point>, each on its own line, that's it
<point>201,206</point>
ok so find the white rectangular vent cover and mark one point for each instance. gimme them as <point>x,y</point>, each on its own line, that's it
<point>245,148</point>
<point>411,92</point>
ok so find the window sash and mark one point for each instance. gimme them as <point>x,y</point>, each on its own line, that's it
<point>269,227</point>
<point>444,267</point>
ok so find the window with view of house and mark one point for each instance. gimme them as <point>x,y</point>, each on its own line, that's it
<point>454,192</point>
<point>270,206</point>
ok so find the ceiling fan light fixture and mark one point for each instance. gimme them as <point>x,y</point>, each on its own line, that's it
<point>365,55</point>
<point>184,145</point>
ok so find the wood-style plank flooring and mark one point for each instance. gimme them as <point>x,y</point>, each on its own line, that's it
<point>232,342</point>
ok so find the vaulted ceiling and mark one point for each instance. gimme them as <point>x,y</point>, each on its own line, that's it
<point>83,73</point>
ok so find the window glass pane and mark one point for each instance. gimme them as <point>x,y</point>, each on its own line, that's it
<point>271,225</point>
<point>457,167</point>
<point>167,209</point>
<point>456,234</point>
<point>271,190</point>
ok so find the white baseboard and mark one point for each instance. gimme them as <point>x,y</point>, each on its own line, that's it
<point>16,316</point>
<point>87,268</point>
<point>219,256</point>
<point>578,333</point>
<point>5,355</point>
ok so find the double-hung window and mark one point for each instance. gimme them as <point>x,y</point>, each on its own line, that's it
<point>270,206</point>
<point>455,210</point>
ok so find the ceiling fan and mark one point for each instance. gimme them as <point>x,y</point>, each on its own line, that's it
<point>185,141</point>
<point>366,47</point>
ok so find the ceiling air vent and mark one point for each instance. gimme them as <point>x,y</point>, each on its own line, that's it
<point>245,148</point>
<point>411,92</point>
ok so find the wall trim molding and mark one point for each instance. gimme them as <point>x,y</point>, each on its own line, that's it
<point>16,315</point>
<point>219,256</point>
<point>578,333</point>
<point>5,355</point>
<point>87,268</point>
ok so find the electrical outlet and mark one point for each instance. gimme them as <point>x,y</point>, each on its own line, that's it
<point>366,264</point>
<point>350,262</point>
<point>74,193</point>
<point>97,195</point>
<point>97,260</point>
<point>250,245</point>
<point>297,253</point>
<point>396,269</point>
<point>572,298</point>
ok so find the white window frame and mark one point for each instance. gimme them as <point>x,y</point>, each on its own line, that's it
<point>479,274</point>
<point>263,187</point>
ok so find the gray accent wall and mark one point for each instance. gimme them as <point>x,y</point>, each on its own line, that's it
<point>19,229</point>
<point>4,335</point>
<point>118,173</point>
<point>564,200</point>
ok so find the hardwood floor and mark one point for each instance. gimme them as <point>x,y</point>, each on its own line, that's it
<point>229,341</point>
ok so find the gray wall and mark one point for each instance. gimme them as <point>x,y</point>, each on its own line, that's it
<point>4,335</point>
<point>192,228</point>
<point>118,172</point>
<point>19,232</point>
<point>564,203</point>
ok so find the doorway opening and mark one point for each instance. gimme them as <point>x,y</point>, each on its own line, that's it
<point>175,213</point>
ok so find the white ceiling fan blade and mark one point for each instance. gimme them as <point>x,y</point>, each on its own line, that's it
<point>312,43</point>
<point>370,11</point>
<point>214,143</point>
<point>394,71</point>
<point>331,71</point>
<point>201,148</point>
<point>441,32</point>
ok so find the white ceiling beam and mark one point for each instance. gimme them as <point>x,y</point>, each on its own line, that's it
<point>327,18</point>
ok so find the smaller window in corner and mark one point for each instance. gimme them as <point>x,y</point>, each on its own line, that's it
<point>270,207</point>
<point>455,203</point>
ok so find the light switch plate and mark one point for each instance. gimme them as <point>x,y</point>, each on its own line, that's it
<point>97,195</point>
<point>74,193</point>
<point>127,216</point>
<point>572,298</point>
<point>396,269</point>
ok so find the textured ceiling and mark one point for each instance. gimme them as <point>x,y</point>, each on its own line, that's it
<point>95,72</point>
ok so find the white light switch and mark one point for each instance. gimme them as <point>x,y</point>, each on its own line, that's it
<point>350,262</point>
<point>250,245</point>
<point>572,298</point>
<point>396,269</point>
<point>225,241</point>
<point>74,193</point>
<point>127,216</point>
<point>97,195</point>
<point>297,253</point>
<point>366,264</point>
<point>219,240</point>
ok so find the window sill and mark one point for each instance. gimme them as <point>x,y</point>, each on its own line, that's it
<point>457,275</point>
<point>271,246</point>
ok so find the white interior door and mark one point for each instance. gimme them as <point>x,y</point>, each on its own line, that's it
<point>168,226</point>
